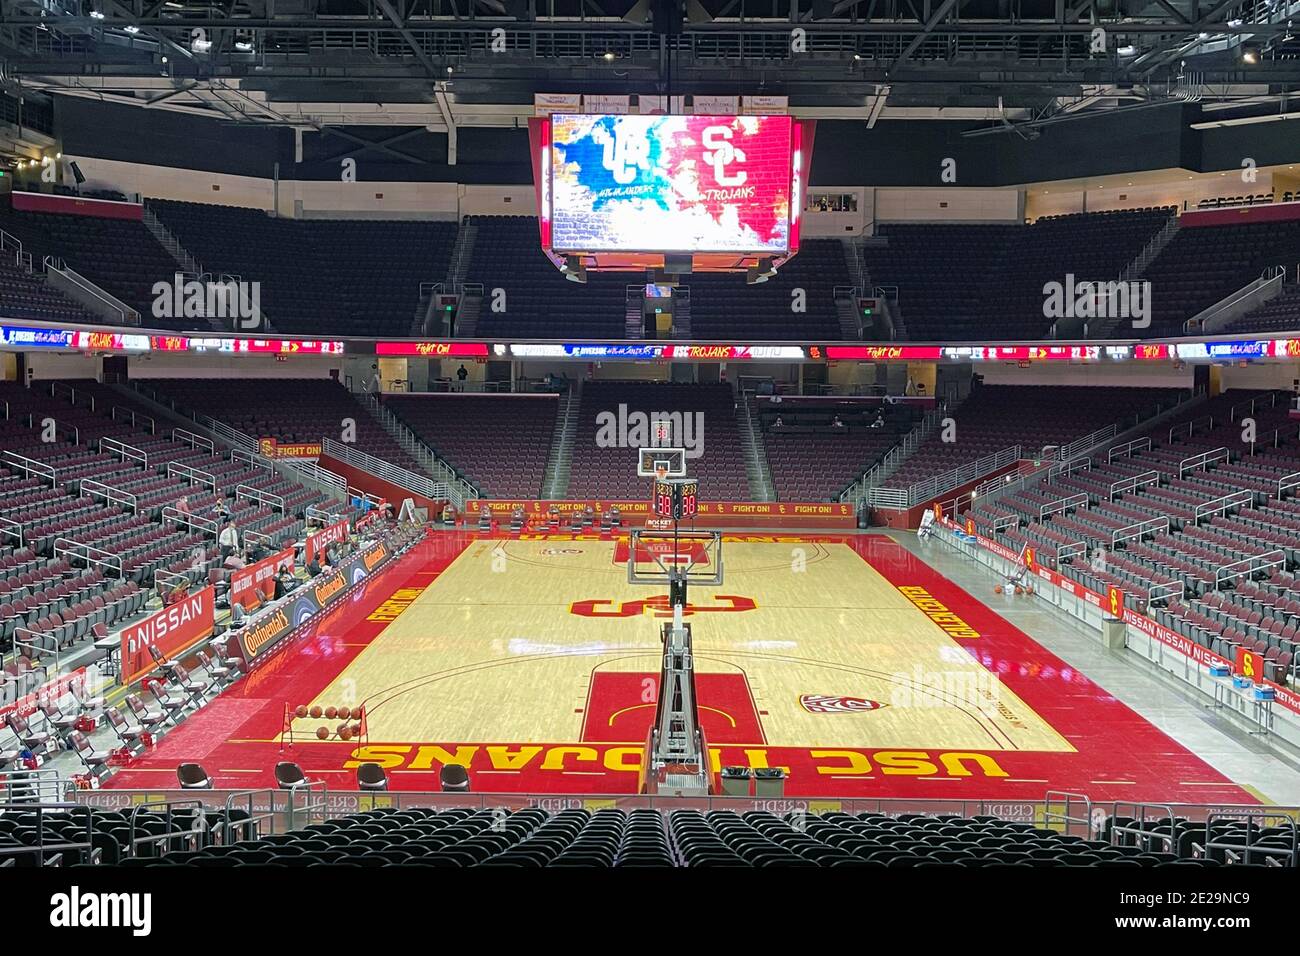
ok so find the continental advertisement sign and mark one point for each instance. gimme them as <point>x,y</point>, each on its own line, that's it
<point>750,514</point>
<point>268,630</point>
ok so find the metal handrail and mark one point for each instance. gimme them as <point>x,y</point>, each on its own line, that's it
<point>1223,504</point>
<point>1132,483</point>
<point>257,494</point>
<point>114,447</point>
<point>88,553</point>
<point>1139,530</point>
<point>90,488</point>
<point>193,439</point>
<point>1256,562</point>
<point>190,521</point>
<point>1203,460</point>
<point>176,469</point>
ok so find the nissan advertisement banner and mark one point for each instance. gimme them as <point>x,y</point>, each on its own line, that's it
<point>318,541</point>
<point>173,630</point>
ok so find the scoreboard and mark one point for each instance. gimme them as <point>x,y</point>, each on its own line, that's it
<point>676,498</point>
<point>707,184</point>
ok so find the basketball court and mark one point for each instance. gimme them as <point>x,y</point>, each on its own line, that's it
<point>533,661</point>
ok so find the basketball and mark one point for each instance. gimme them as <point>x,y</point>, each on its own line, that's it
<point>344,712</point>
<point>997,589</point>
<point>315,713</point>
<point>322,733</point>
<point>345,732</point>
<point>300,711</point>
<point>330,712</point>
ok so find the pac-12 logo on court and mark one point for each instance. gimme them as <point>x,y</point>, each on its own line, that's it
<point>823,704</point>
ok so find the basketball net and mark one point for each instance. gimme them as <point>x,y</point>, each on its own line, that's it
<point>661,471</point>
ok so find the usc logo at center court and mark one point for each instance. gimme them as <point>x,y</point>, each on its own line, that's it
<point>658,605</point>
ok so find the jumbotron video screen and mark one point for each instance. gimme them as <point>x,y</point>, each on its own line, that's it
<point>670,183</point>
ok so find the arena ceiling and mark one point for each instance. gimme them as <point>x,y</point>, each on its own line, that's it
<point>1016,64</point>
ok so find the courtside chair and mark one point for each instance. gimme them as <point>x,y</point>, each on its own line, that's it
<point>371,776</point>
<point>454,778</point>
<point>193,777</point>
<point>289,776</point>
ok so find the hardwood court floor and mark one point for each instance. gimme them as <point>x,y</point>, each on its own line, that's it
<point>846,660</point>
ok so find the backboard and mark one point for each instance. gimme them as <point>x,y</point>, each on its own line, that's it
<point>671,461</point>
<point>697,555</point>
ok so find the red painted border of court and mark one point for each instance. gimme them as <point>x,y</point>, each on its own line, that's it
<point>1119,755</point>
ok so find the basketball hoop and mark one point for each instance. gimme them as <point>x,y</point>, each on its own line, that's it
<point>661,470</point>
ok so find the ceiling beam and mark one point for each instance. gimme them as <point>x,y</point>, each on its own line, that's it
<point>916,41</point>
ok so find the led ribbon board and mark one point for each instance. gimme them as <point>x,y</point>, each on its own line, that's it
<point>670,183</point>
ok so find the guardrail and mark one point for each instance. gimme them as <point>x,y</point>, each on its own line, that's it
<point>1132,483</point>
<point>72,393</point>
<point>1070,550</point>
<point>322,476</point>
<point>258,495</point>
<point>64,547</point>
<point>402,477</point>
<point>1223,504</point>
<point>1126,449</point>
<point>121,413</point>
<point>1249,405</point>
<point>1190,428</point>
<point>120,448</point>
<point>1287,482</point>
<point>191,521</point>
<point>254,459</point>
<point>1163,592</point>
<point>193,475</point>
<point>193,439</point>
<point>30,466</point>
<point>1006,521</point>
<point>1202,461</point>
<point>88,486</point>
<point>1139,530</point>
<point>936,485</point>
<point>78,287</point>
<point>12,529</point>
<point>1247,566</point>
<point>1062,504</point>
<point>1067,451</point>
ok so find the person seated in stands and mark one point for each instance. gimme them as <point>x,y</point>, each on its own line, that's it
<point>221,510</point>
<point>183,505</point>
<point>879,420</point>
<point>778,423</point>
<point>228,539</point>
<point>314,565</point>
<point>234,561</point>
<point>836,423</point>
<point>284,583</point>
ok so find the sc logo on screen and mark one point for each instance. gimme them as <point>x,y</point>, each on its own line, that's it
<point>718,140</point>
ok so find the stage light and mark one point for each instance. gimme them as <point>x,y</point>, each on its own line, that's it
<point>609,54</point>
<point>1249,55</point>
<point>131,28</point>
